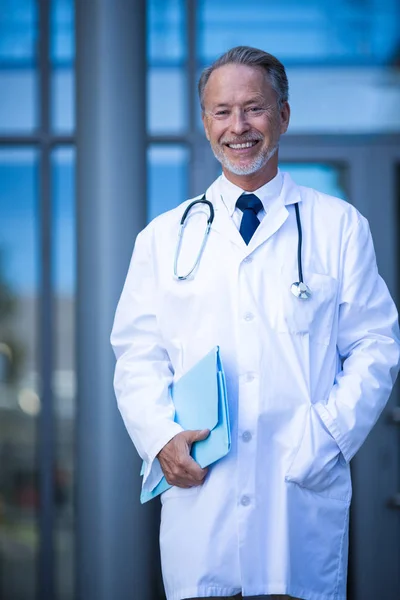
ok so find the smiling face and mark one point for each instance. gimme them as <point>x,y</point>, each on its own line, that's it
<point>243,123</point>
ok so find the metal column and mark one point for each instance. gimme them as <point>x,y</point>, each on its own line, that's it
<point>116,537</point>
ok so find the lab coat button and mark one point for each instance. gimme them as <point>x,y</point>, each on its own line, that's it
<point>250,377</point>
<point>248,259</point>
<point>245,501</point>
<point>246,437</point>
<point>248,316</point>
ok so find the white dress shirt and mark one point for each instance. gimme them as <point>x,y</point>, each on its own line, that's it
<point>267,193</point>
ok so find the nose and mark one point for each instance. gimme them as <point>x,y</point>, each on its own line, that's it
<point>239,124</point>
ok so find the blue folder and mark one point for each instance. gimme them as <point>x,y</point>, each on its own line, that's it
<point>200,401</point>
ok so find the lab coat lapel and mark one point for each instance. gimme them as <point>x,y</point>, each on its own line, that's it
<point>270,224</point>
<point>278,214</point>
<point>223,223</point>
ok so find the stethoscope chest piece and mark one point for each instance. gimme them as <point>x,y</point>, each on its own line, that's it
<point>300,290</point>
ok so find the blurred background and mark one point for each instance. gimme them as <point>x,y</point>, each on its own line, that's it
<point>100,131</point>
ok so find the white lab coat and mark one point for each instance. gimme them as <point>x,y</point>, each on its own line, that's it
<point>307,380</point>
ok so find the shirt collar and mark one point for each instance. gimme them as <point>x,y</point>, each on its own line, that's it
<point>268,193</point>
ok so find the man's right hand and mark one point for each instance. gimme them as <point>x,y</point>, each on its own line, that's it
<point>178,466</point>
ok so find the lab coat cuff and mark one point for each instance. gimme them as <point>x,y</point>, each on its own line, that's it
<point>333,429</point>
<point>152,469</point>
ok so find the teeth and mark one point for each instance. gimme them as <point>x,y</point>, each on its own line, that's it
<point>240,146</point>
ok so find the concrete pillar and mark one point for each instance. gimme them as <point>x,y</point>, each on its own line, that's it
<point>117,554</point>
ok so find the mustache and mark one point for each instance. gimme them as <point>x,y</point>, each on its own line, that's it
<point>242,139</point>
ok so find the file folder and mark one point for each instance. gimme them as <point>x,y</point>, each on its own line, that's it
<point>201,402</point>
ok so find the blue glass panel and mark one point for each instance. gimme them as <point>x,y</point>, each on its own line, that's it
<point>18,31</point>
<point>19,392</point>
<point>63,100</point>
<point>166,31</point>
<point>63,74</point>
<point>167,106</point>
<point>64,278</point>
<point>18,77</point>
<point>18,187</point>
<point>167,77</point>
<point>63,169</point>
<point>62,31</point>
<point>18,100</point>
<point>306,32</point>
<point>322,177</point>
<point>167,177</point>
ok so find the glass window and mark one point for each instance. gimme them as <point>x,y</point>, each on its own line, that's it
<point>62,59</point>
<point>167,35</point>
<point>64,276</point>
<point>307,32</point>
<point>167,109</point>
<point>326,178</point>
<point>168,177</point>
<point>167,77</point>
<point>19,380</point>
<point>18,77</point>
<point>341,57</point>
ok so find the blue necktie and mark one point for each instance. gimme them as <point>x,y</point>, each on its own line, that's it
<point>250,205</point>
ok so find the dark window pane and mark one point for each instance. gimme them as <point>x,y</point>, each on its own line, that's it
<point>19,379</point>
<point>168,177</point>
<point>18,76</point>
<point>64,276</point>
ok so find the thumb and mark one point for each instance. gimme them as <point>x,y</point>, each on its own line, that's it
<point>198,435</point>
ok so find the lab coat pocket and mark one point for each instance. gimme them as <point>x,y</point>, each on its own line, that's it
<point>314,316</point>
<point>318,464</point>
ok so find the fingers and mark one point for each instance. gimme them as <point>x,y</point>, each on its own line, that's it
<point>196,435</point>
<point>178,466</point>
<point>185,472</point>
<point>185,480</point>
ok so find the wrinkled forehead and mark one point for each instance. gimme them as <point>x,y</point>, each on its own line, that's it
<point>238,84</point>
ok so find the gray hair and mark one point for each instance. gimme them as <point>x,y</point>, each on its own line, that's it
<point>251,57</point>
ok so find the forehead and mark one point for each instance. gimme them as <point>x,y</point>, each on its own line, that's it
<point>232,84</point>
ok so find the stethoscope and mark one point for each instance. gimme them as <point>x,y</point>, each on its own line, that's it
<point>298,288</point>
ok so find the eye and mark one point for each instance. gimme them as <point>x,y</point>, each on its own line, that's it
<point>221,113</point>
<point>255,109</point>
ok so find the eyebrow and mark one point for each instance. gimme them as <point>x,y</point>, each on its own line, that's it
<point>254,100</point>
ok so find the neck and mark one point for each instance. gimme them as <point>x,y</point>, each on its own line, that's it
<point>253,181</point>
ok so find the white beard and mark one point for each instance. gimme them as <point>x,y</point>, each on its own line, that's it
<point>255,165</point>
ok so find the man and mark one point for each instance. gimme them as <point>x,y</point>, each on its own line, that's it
<point>308,372</point>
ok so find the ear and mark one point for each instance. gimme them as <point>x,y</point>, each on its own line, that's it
<point>205,125</point>
<point>285,117</point>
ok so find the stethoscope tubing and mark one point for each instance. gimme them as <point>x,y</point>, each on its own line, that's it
<point>300,242</point>
<point>199,201</point>
<point>180,237</point>
<point>305,291</point>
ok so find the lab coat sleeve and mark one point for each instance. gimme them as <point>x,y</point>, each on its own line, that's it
<point>368,344</point>
<point>143,370</point>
